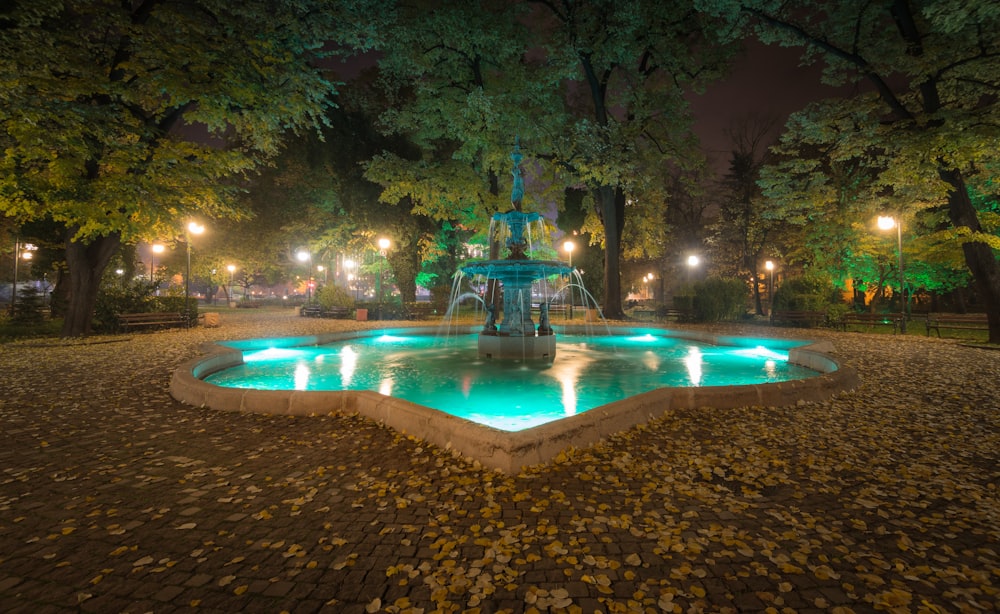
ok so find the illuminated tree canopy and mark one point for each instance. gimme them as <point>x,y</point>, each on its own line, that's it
<point>924,123</point>
<point>120,120</point>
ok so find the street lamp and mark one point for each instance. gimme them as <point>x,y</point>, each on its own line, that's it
<point>383,246</point>
<point>193,228</point>
<point>232,269</point>
<point>304,257</point>
<point>27,255</point>
<point>350,265</point>
<point>326,273</point>
<point>155,248</point>
<point>692,263</point>
<point>568,247</point>
<point>887,222</point>
<point>769,265</point>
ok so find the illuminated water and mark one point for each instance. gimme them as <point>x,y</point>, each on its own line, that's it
<point>446,373</point>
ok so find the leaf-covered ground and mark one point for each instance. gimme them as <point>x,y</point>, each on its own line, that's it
<point>116,498</point>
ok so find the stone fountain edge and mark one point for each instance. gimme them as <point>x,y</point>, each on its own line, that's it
<point>507,452</point>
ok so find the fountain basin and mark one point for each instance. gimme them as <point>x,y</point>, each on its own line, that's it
<point>498,449</point>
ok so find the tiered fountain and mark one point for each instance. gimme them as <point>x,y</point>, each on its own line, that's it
<point>516,337</point>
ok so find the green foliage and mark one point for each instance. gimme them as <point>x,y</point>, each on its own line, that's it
<point>28,307</point>
<point>919,134</point>
<point>720,299</point>
<point>118,296</point>
<point>807,293</point>
<point>334,296</point>
<point>121,120</point>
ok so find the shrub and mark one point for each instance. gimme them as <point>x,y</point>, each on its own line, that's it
<point>118,296</point>
<point>808,293</point>
<point>330,296</point>
<point>28,307</point>
<point>719,299</point>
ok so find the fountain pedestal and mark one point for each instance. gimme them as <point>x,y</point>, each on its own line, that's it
<point>517,348</point>
<point>517,337</point>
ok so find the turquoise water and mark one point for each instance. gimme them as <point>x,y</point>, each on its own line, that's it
<point>446,373</point>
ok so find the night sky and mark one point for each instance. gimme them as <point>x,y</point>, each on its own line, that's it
<point>764,80</point>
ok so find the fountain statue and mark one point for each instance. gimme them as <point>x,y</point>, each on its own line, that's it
<point>516,336</point>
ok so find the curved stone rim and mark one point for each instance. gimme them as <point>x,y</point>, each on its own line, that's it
<point>503,451</point>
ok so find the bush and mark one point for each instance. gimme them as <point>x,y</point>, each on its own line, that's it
<point>809,293</point>
<point>440,295</point>
<point>719,299</point>
<point>28,307</point>
<point>334,296</point>
<point>136,296</point>
<point>117,297</point>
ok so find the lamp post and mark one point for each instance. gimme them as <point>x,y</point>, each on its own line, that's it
<point>18,255</point>
<point>154,249</point>
<point>232,269</point>
<point>350,265</point>
<point>304,257</point>
<point>887,222</point>
<point>193,228</point>
<point>769,265</point>
<point>383,246</point>
<point>692,263</point>
<point>326,273</point>
<point>568,247</point>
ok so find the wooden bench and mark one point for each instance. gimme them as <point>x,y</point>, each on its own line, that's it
<point>316,311</point>
<point>310,311</point>
<point>677,315</point>
<point>663,314</point>
<point>799,318</point>
<point>956,321</point>
<point>871,320</point>
<point>152,320</point>
<point>644,314</point>
<point>420,312</point>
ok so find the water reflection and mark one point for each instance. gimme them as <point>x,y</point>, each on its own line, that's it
<point>348,363</point>
<point>693,363</point>
<point>302,372</point>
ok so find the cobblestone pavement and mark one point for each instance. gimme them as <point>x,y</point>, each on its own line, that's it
<point>116,498</point>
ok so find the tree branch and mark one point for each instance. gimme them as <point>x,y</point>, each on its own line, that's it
<point>885,92</point>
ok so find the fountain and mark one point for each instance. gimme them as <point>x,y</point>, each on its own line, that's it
<point>516,337</point>
<point>396,374</point>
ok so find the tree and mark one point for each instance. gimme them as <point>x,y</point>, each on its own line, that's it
<point>625,66</point>
<point>457,83</point>
<point>121,119</point>
<point>926,121</point>
<point>744,225</point>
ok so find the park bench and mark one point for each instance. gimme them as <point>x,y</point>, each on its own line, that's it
<point>967,321</point>
<point>419,312</point>
<point>644,313</point>
<point>316,311</point>
<point>799,318</point>
<point>675,314</point>
<point>310,311</point>
<point>152,320</point>
<point>664,314</point>
<point>871,320</point>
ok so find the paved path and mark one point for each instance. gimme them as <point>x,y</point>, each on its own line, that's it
<point>116,498</point>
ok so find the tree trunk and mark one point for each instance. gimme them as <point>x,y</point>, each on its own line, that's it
<point>978,256</point>
<point>86,262</point>
<point>611,203</point>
